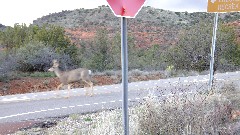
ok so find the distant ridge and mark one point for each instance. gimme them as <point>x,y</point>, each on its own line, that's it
<point>2,26</point>
<point>151,26</point>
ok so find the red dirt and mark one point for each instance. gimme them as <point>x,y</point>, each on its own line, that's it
<point>31,85</point>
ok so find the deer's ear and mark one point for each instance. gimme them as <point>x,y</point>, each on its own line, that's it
<point>56,64</point>
<point>55,61</point>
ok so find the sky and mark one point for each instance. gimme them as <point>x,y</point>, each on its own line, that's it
<point>25,11</point>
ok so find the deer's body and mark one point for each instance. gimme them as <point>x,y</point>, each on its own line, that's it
<point>69,77</point>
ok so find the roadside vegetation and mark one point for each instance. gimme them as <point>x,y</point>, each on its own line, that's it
<point>32,49</point>
<point>28,51</point>
<point>196,113</point>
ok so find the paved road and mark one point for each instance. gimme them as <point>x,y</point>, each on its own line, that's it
<point>16,108</point>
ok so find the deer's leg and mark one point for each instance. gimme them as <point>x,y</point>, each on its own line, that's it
<point>91,86</point>
<point>69,87</point>
<point>86,93</point>
<point>59,86</point>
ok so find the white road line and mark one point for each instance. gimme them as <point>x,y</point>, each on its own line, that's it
<point>53,109</point>
<point>43,110</point>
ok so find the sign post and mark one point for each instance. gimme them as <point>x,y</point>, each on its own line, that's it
<point>124,58</point>
<point>213,51</point>
<point>219,6</point>
<point>125,9</point>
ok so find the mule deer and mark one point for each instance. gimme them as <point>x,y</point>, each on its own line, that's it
<point>69,77</point>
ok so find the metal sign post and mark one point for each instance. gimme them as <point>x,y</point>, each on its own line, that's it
<point>213,51</point>
<point>125,9</point>
<point>124,56</point>
<point>217,6</point>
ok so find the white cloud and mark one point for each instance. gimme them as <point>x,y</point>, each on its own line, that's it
<point>180,5</point>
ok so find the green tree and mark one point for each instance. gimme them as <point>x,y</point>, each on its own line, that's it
<point>192,51</point>
<point>6,38</point>
<point>115,50</point>
<point>52,35</point>
<point>99,54</point>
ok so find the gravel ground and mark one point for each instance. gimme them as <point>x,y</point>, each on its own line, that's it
<point>75,124</point>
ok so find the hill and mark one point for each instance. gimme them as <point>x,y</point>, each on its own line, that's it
<point>151,26</point>
<point>2,26</point>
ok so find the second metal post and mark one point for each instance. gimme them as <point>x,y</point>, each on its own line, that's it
<point>213,51</point>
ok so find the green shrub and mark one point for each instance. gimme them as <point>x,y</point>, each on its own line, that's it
<point>8,64</point>
<point>36,56</point>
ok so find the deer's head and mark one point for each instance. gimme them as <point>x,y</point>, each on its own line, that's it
<point>55,65</point>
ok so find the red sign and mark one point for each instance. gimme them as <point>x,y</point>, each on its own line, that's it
<point>126,8</point>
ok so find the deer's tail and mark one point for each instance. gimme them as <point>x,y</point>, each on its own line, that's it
<point>90,72</point>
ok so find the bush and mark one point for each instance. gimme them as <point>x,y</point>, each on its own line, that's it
<point>7,65</point>
<point>186,115</point>
<point>36,56</point>
<point>192,51</point>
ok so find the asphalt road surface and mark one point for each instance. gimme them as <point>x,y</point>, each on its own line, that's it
<point>32,106</point>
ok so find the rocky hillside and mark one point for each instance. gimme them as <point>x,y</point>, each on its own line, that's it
<point>236,24</point>
<point>151,26</point>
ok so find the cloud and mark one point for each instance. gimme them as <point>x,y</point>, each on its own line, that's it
<point>179,5</point>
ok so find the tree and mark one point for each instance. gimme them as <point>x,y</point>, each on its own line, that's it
<point>52,35</point>
<point>192,51</point>
<point>99,57</point>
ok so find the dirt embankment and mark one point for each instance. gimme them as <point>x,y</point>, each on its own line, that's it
<point>35,84</point>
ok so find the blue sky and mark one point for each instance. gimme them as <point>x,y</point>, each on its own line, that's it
<point>25,11</point>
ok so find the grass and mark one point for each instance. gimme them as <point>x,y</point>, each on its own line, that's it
<point>36,74</point>
<point>42,74</point>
